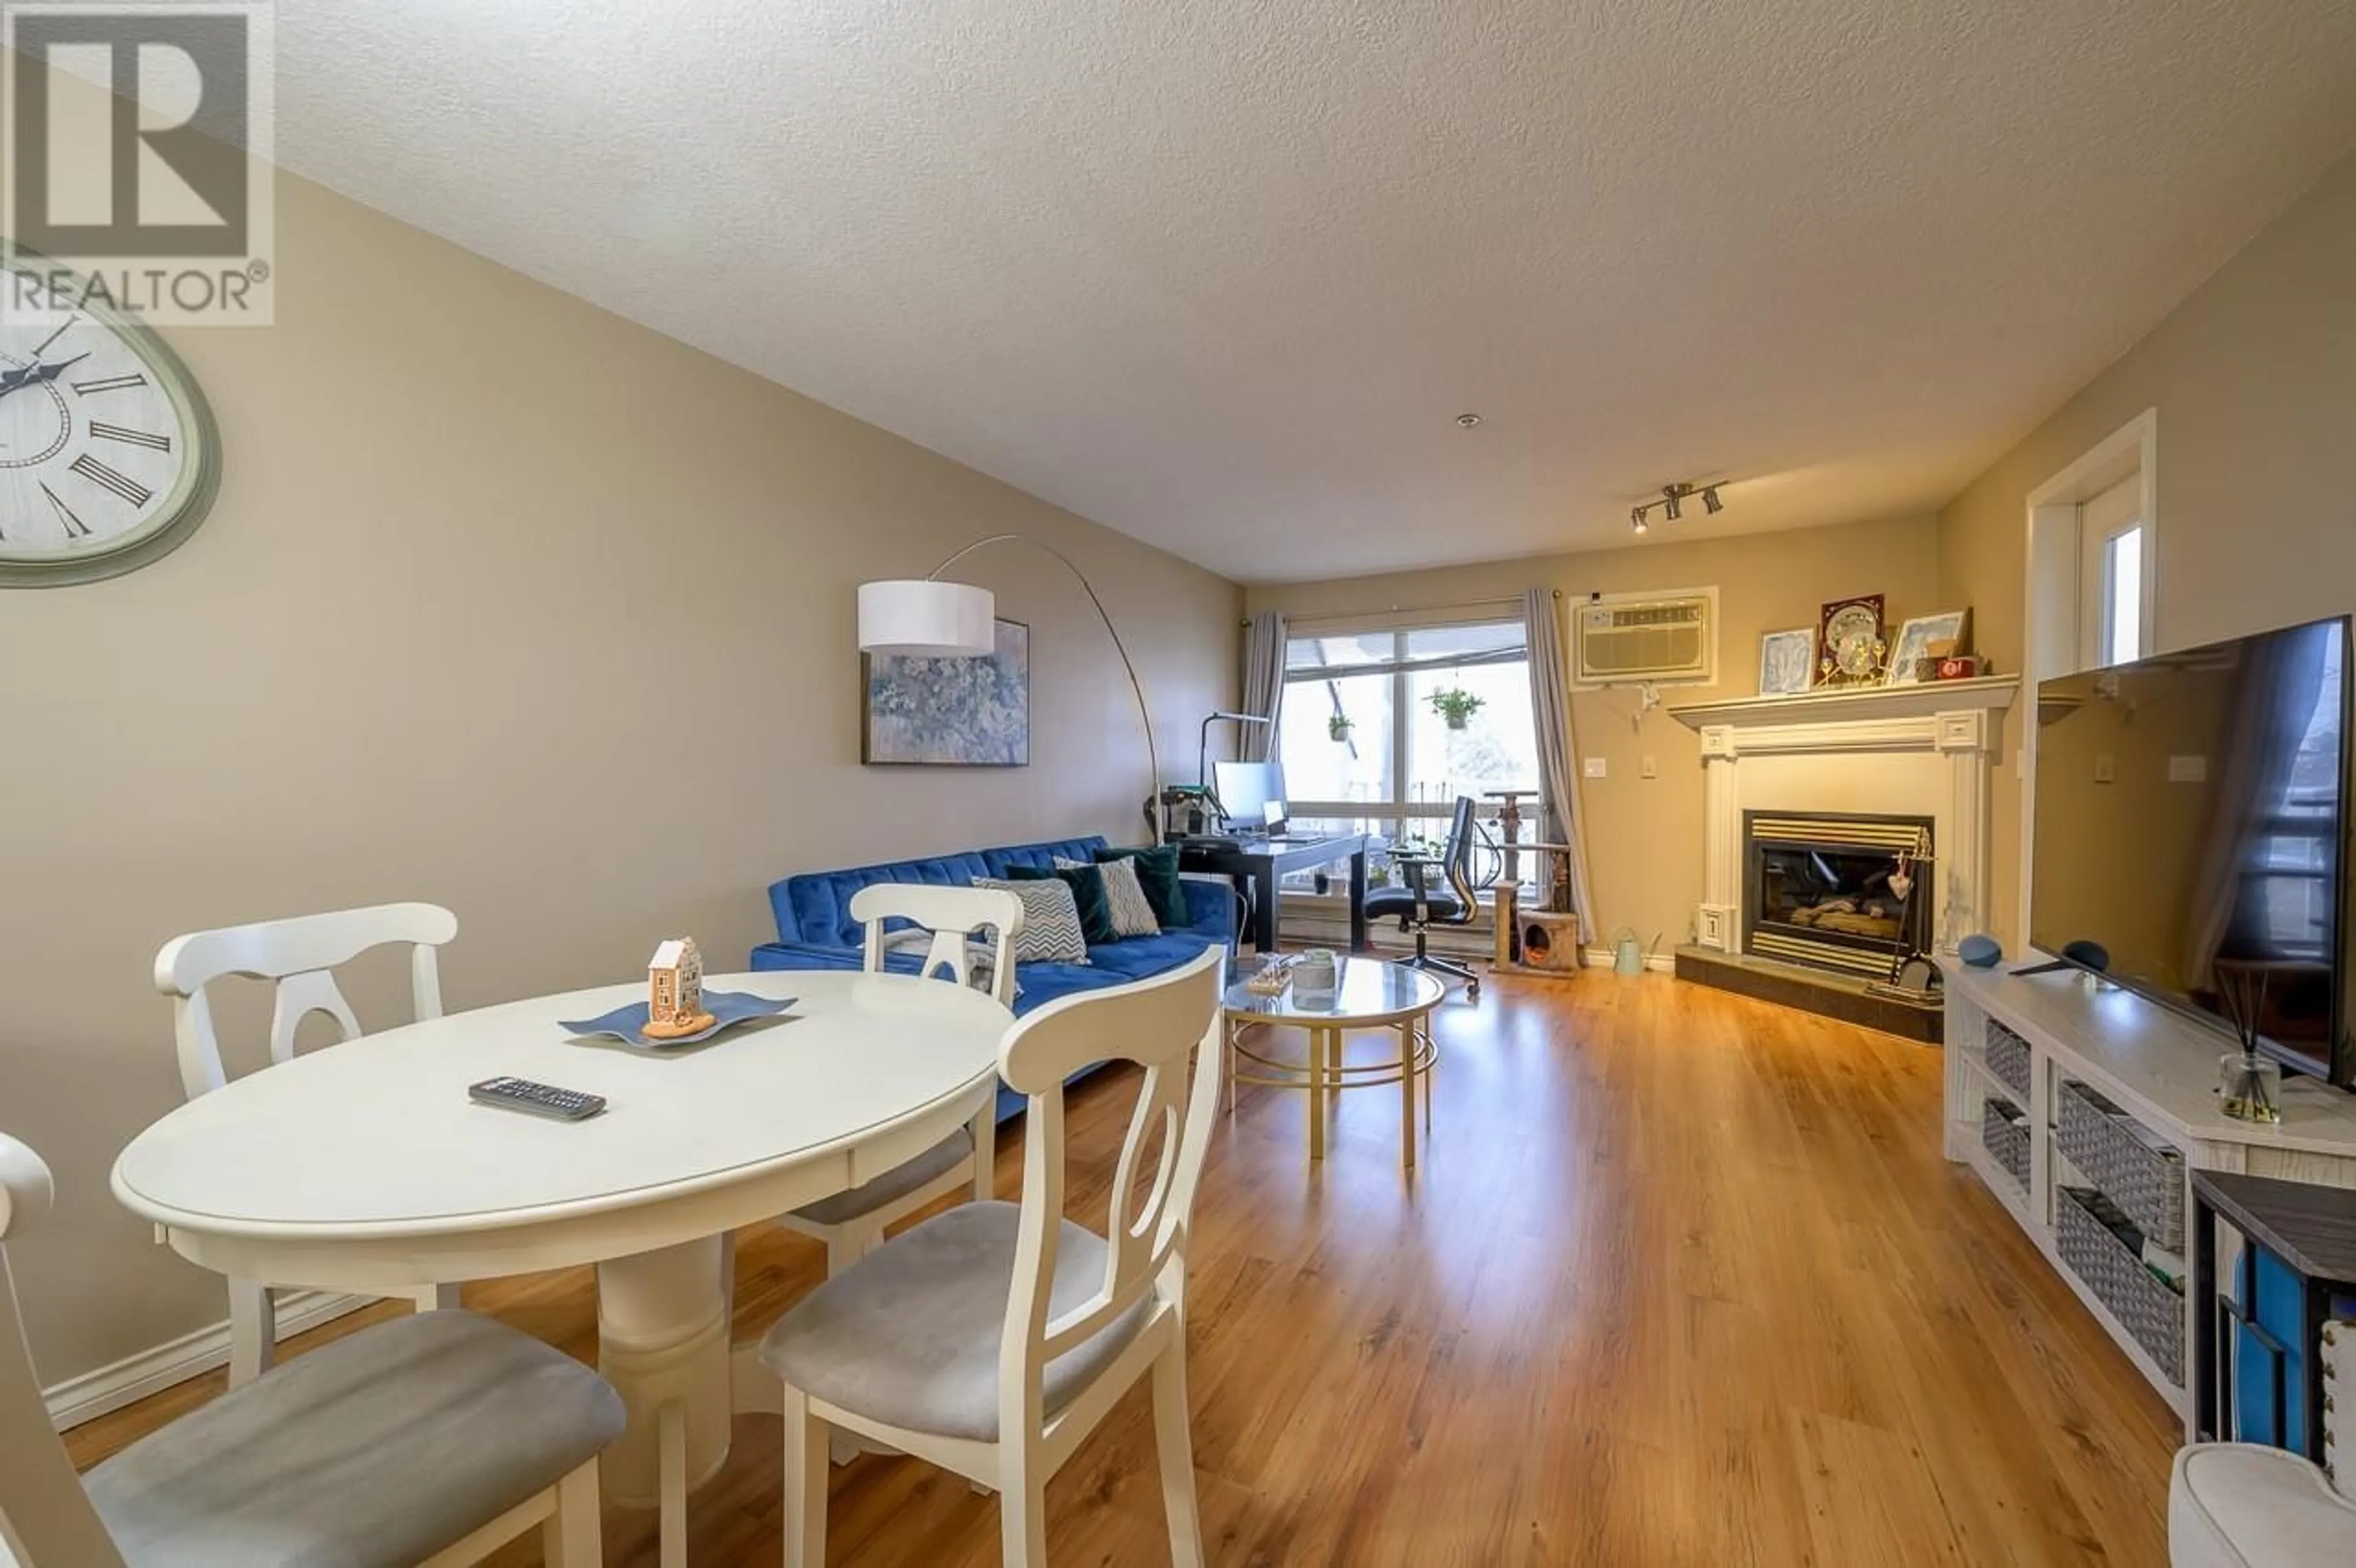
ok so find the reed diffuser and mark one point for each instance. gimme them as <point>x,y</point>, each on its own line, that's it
<point>2249,1087</point>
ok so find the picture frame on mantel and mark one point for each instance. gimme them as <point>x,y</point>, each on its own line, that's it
<point>1851,642</point>
<point>1924,637</point>
<point>948,712</point>
<point>1788,661</point>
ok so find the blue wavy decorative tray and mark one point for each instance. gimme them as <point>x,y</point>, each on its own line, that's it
<point>728,1008</point>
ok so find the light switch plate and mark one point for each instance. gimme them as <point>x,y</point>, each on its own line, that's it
<point>1652,769</point>
<point>2107,768</point>
<point>1592,768</point>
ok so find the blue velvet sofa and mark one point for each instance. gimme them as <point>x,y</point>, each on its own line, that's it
<point>815,930</point>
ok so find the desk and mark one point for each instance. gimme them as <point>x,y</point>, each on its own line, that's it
<point>364,1167</point>
<point>1259,861</point>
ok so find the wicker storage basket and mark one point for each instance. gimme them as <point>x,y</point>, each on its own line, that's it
<point>2004,1132</point>
<point>2102,1141</point>
<point>2092,1237</point>
<point>2008,1057</point>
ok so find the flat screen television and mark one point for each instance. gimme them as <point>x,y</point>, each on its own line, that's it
<point>2191,821</point>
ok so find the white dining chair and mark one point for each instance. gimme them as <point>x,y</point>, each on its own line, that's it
<point>299,956</point>
<point>992,1339</point>
<point>2240,1505</point>
<point>852,1223</point>
<point>427,1442</point>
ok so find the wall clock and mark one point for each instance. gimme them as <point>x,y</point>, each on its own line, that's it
<point>109,458</point>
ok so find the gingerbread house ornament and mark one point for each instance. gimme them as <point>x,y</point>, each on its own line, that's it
<point>675,984</point>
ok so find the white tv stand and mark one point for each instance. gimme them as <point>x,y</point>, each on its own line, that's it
<point>2158,1068</point>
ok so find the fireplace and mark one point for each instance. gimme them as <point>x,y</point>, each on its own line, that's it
<point>1929,750</point>
<point>1850,894</point>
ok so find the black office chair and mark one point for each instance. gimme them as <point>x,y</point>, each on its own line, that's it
<point>1420,906</point>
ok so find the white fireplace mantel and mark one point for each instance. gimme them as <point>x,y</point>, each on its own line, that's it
<point>1851,705</point>
<point>1925,750</point>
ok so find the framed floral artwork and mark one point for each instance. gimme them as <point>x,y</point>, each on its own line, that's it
<point>949,712</point>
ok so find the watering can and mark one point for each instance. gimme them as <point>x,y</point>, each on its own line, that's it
<point>1627,953</point>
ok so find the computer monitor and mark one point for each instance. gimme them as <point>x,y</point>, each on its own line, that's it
<point>1251,795</point>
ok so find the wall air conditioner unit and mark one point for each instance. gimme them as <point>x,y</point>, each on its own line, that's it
<point>1639,639</point>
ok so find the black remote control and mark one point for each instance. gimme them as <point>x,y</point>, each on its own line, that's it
<point>540,1099</point>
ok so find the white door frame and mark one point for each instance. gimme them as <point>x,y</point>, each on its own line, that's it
<point>2051,634</point>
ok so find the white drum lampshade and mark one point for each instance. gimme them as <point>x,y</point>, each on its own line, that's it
<point>922,619</point>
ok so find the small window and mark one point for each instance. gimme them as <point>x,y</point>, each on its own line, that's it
<point>2114,577</point>
<point>2123,596</point>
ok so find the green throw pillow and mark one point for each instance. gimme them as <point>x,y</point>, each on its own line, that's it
<point>1157,873</point>
<point>1088,891</point>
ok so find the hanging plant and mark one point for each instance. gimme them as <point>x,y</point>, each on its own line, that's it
<point>1456,705</point>
<point>1339,727</point>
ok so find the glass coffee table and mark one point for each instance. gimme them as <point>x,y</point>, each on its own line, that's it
<point>1368,993</point>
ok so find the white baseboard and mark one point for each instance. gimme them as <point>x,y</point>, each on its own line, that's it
<point>1658,963</point>
<point>134,1378</point>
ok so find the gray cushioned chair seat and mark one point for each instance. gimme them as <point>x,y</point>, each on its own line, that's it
<point>909,1335</point>
<point>1383,902</point>
<point>376,1451</point>
<point>894,1184</point>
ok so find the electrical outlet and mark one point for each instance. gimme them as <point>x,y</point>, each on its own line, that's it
<point>2107,768</point>
<point>1593,768</point>
<point>1652,769</point>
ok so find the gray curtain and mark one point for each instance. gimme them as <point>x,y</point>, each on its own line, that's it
<point>1558,746</point>
<point>1263,686</point>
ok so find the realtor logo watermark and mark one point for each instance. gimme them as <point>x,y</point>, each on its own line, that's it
<point>138,167</point>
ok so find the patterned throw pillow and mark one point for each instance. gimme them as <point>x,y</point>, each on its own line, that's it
<point>1157,873</point>
<point>1088,891</point>
<point>1126,905</point>
<point>1051,921</point>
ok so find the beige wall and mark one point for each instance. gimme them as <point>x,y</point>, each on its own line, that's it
<point>2121,859</point>
<point>2254,381</point>
<point>1645,836</point>
<point>477,546</point>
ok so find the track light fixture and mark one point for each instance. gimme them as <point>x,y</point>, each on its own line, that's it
<point>1672,503</point>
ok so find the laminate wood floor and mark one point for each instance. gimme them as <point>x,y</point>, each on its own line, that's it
<point>1681,1279</point>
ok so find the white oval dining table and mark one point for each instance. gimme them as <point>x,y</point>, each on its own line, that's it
<point>365,1167</point>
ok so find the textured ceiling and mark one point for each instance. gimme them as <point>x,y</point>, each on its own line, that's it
<point>1222,273</point>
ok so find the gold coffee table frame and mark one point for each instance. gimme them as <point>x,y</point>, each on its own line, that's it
<point>1368,993</point>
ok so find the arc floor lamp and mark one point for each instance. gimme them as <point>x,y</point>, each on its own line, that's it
<point>928,618</point>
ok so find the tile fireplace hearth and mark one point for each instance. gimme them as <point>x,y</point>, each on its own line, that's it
<point>1821,991</point>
